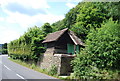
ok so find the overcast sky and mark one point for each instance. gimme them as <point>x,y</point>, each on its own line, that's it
<point>16,16</point>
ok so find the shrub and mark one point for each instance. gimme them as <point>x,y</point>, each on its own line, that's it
<point>28,46</point>
<point>4,51</point>
<point>101,56</point>
<point>33,66</point>
<point>53,70</point>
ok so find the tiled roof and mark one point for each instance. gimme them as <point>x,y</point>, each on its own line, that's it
<point>54,36</point>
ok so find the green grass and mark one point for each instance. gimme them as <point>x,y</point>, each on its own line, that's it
<point>34,67</point>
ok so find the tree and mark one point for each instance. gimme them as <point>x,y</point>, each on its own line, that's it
<point>101,53</point>
<point>88,15</point>
<point>113,10</point>
<point>4,48</point>
<point>28,46</point>
<point>46,28</point>
<point>59,25</point>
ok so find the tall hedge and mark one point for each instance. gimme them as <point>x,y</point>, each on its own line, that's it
<point>28,46</point>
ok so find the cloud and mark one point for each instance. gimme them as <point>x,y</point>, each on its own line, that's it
<point>20,15</point>
<point>1,19</point>
<point>24,21</point>
<point>27,21</point>
<point>70,5</point>
<point>8,34</point>
<point>64,0</point>
<point>29,12</point>
<point>29,7</point>
<point>36,4</point>
<point>15,7</point>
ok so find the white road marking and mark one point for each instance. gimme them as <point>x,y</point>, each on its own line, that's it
<point>7,67</point>
<point>19,76</point>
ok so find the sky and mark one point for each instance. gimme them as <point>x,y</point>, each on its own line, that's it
<point>16,16</point>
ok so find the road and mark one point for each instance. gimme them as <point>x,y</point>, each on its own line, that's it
<point>10,71</point>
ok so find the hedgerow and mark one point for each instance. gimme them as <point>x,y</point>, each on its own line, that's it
<point>29,46</point>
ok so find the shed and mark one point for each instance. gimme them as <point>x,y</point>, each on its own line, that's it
<point>60,49</point>
<point>64,42</point>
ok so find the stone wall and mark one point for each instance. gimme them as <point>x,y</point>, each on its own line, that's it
<point>46,61</point>
<point>59,60</point>
<point>65,67</point>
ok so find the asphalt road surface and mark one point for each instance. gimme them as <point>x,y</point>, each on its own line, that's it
<point>10,71</point>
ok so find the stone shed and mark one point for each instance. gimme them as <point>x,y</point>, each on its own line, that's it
<point>61,47</point>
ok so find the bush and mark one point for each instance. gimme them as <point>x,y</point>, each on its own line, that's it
<point>29,46</point>
<point>53,70</point>
<point>101,56</point>
<point>4,51</point>
<point>33,66</point>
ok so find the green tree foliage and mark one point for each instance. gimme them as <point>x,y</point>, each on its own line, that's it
<point>59,25</point>
<point>28,46</point>
<point>46,28</point>
<point>88,15</point>
<point>102,40</point>
<point>68,21</point>
<point>113,10</point>
<point>101,53</point>
<point>4,48</point>
<point>71,16</point>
